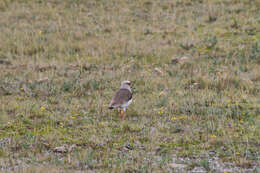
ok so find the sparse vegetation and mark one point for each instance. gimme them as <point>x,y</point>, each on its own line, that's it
<point>61,61</point>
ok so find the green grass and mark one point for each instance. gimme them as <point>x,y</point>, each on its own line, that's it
<point>62,61</point>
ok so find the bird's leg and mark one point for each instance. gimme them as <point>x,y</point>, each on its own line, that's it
<point>122,114</point>
<point>124,109</point>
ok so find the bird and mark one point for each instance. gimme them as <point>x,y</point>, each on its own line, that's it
<point>122,98</point>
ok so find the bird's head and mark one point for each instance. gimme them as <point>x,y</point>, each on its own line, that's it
<point>126,84</point>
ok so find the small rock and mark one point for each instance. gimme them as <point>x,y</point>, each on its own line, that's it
<point>45,68</point>
<point>180,60</point>
<point>5,62</point>
<point>195,86</point>
<point>198,169</point>
<point>159,71</point>
<point>42,80</point>
<point>176,165</point>
<point>175,61</point>
<point>184,59</point>
<point>125,149</point>
<point>61,149</point>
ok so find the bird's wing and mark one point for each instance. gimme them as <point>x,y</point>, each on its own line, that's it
<point>121,97</point>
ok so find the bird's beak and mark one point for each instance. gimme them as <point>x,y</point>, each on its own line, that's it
<point>132,83</point>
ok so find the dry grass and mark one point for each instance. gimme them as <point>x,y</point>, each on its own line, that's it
<point>61,61</point>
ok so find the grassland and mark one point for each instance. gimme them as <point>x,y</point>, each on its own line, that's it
<point>61,62</point>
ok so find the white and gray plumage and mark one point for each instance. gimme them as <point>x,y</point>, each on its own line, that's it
<point>122,98</point>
